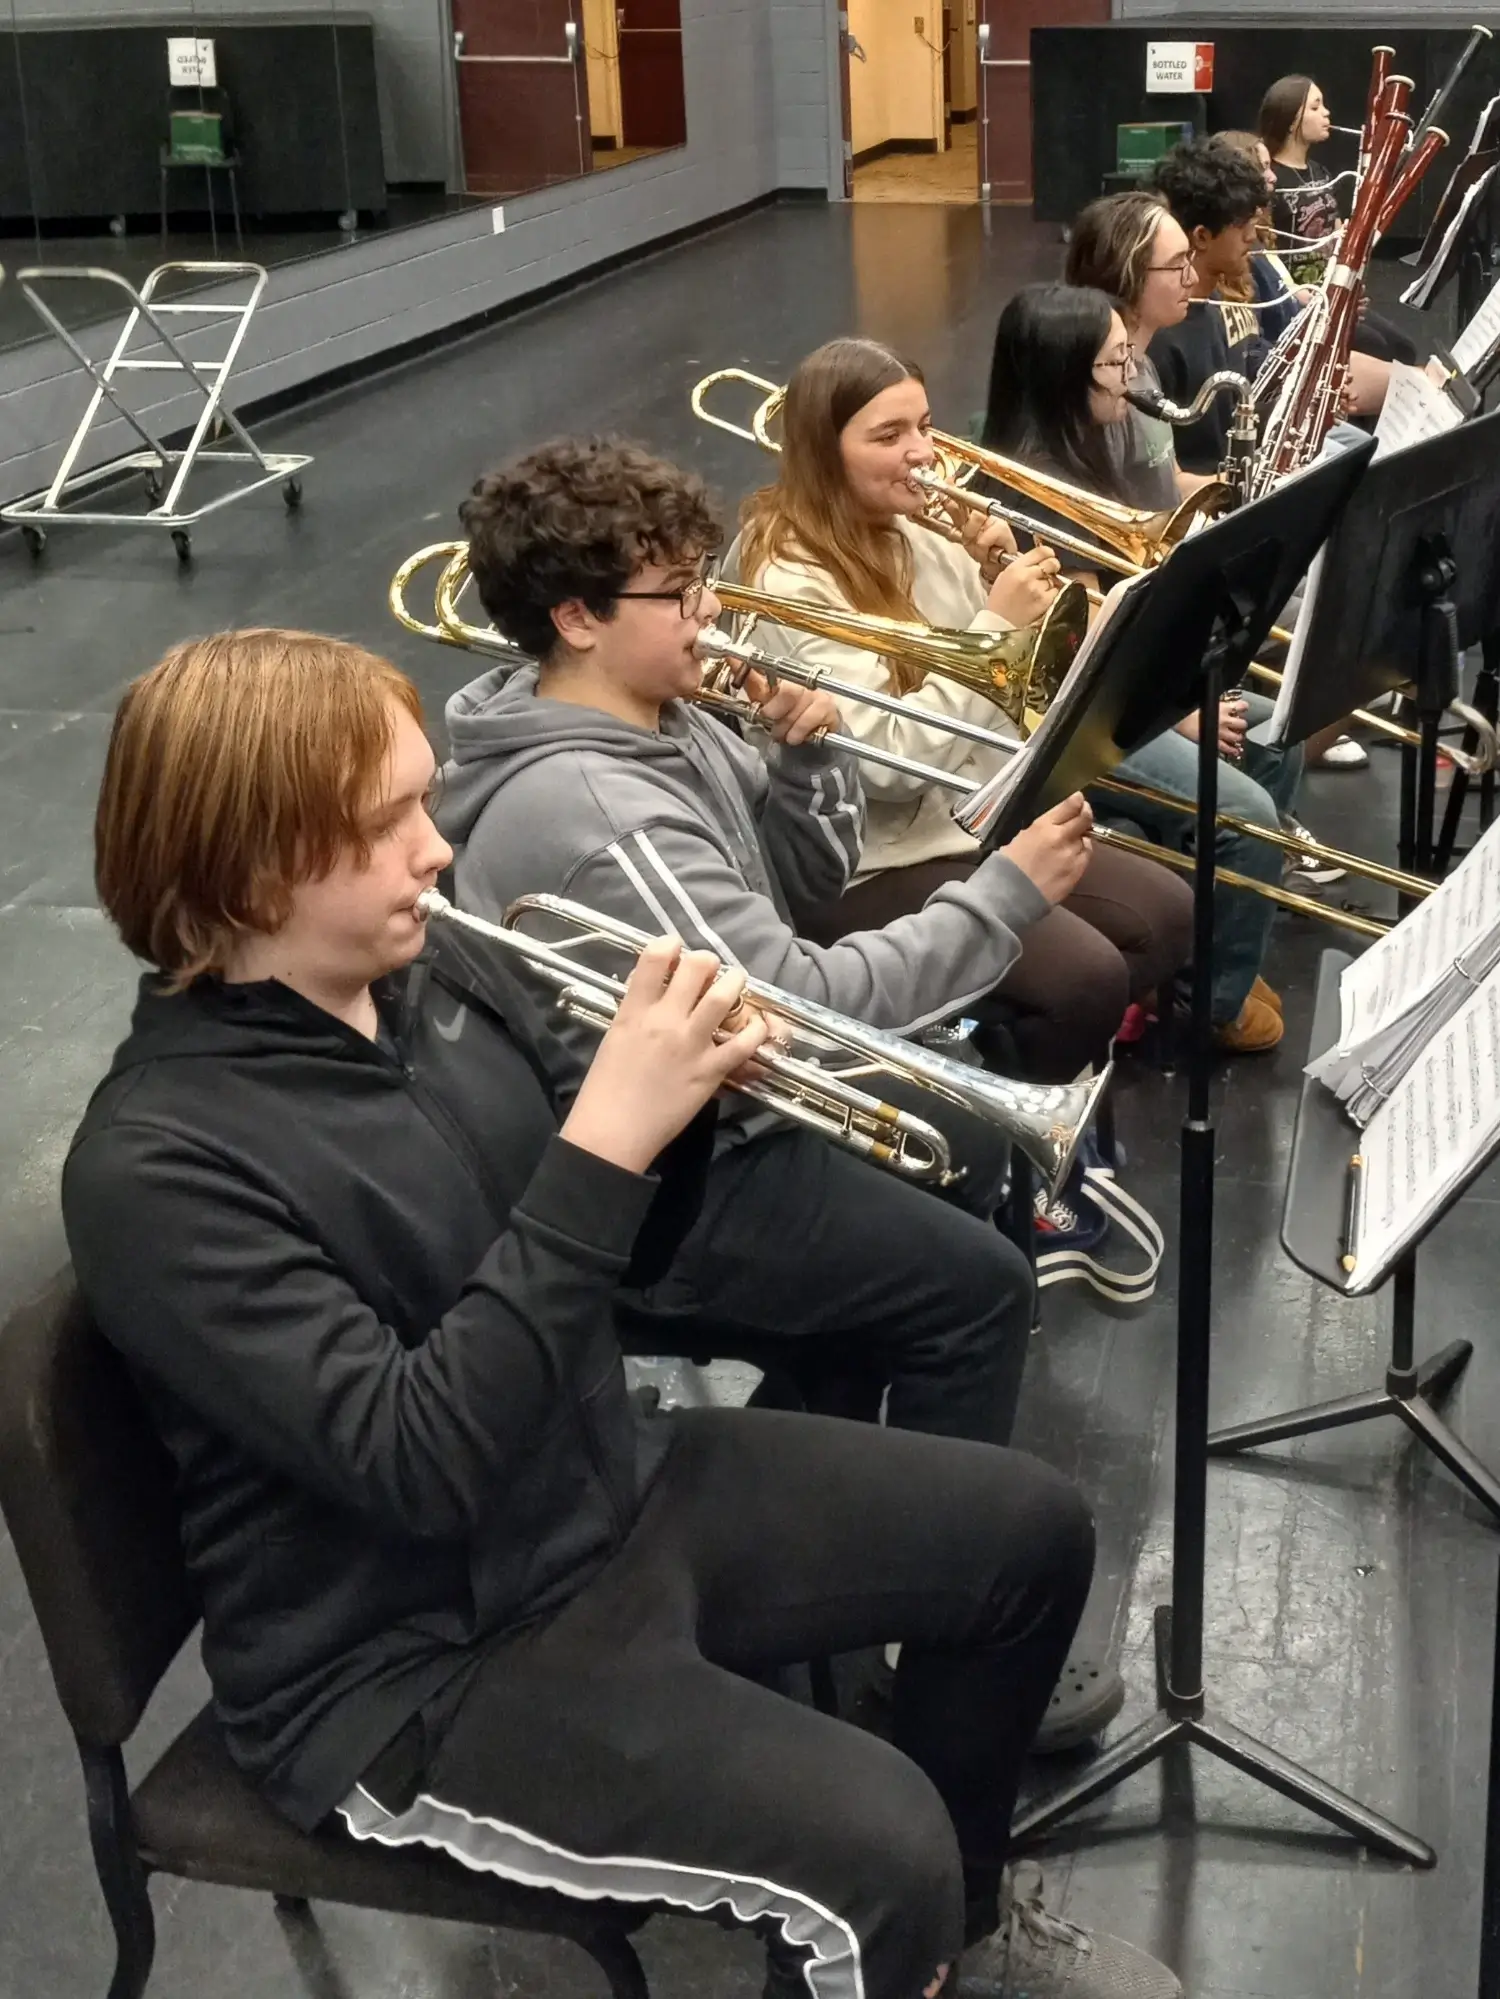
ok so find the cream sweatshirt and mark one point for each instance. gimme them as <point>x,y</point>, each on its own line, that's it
<point>906,821</point>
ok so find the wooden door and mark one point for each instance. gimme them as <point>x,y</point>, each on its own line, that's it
<point>1005,86</point>
<point>653,106</point>
<point>522,97</point>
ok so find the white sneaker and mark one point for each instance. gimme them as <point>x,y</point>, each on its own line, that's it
<point>1345,754</point>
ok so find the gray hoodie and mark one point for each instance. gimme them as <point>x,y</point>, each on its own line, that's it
<point>688,829</point>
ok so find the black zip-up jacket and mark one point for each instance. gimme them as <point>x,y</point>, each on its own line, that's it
<point>367,1294</point>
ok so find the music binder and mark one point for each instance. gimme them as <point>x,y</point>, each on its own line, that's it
<point>1406,987</point>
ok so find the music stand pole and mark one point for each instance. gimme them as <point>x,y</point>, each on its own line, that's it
<point>1489,1905</point>
<point>1182,1715</point>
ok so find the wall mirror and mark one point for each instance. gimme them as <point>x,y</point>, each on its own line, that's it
<point>204,131</point>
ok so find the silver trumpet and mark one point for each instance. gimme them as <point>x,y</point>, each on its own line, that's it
<point>1046,1121</point>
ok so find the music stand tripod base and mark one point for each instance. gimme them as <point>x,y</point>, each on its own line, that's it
<point>1320,1150</point>
<point>1187,1721</point>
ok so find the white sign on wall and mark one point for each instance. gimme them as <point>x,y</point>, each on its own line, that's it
<point>1177,69</point>
<point>190,61</point>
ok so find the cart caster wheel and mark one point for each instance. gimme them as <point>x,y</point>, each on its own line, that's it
<point>182,541</point>
<point>35,540</point>
<point>291,492</point>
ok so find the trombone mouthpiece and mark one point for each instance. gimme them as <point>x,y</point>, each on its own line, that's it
<point>711,643</point>
<point>431,902</point>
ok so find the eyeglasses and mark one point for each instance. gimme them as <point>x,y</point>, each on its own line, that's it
<point>1180,267</point>
<point>1122,365</point>
<point>687,598</point>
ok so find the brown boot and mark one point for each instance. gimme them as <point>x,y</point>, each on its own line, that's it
<point>1261,991</point>
<point>1257,1029</point>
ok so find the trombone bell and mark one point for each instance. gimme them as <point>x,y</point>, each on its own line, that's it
<point>1018,670</point>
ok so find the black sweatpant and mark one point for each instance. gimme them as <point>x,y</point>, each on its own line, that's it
<point>849,1276</point>
<point>619,1751</point>
<point>1123,932</point>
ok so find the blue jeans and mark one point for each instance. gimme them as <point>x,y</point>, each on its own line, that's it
<point>1258,788</point>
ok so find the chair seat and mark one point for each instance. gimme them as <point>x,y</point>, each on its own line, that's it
<point>197,1816</point>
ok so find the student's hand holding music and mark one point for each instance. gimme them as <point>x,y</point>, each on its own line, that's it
<point>1023,591</point>
<point>663,1056</point>
<point>1053,851</point>
<point>988,540</point>
<point>796,715</point>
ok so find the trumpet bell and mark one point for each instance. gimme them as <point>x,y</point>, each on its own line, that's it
<point>1045,1121</point>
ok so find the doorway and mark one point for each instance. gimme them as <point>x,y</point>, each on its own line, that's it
<point>911,100</point>
<point>1003,154</point>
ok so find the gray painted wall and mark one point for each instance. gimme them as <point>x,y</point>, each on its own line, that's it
<point>762,114</point>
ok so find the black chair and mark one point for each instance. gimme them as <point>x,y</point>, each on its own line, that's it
<point>87,1492</point>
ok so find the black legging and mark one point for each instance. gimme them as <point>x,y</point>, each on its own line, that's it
<point>1122,933</point>
<point>1383,339</point>
<point>621,1750</point>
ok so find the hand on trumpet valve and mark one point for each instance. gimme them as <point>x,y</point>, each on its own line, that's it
<point>1053,851</point>
<point>990,542</point>
<point>683,1031</point>
<point>1023,591</point>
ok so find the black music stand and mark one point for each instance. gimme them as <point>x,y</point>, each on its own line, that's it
<point>1311,1226</point>
<point>1411,576</point>
<point>1200,619</point>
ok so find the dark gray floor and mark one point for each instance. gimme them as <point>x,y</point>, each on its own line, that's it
<point>1350,1590</point>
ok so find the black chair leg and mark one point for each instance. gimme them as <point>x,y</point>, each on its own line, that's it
<point>292,1906</point>
<point>616,1957</point>
<point>118,1864</point>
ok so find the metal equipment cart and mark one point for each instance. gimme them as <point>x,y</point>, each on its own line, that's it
<point>165,471</point>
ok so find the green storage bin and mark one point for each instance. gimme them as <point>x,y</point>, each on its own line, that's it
<point>197,135</point>
<point>1139,147</point>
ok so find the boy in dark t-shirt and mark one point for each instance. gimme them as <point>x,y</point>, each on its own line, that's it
<point>1216,194</point>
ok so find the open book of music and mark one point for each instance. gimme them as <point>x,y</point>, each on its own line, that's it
<point>1406,987</point>
<point>1438,1127</point>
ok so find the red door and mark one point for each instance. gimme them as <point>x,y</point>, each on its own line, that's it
<point>653,108</point>
<point>1005,85</point>
<point>522,94</point>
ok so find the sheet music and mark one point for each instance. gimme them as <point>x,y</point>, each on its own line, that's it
<point>1396,974</point>
<point>1414,410</point>
<point>1480,335</point>
<point>1424,289</point>
<point>1439,1125</point>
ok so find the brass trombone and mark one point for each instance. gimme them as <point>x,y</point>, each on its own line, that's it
<point>1045,1120</point>
<point>945,657</point>
<point>1137,539</point>
<point>1124,539</point>
<point>720,691</point>
<point>1017,670</point>
<point>724,654</point>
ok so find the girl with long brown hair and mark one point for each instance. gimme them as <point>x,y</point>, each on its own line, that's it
<point>837,527</point>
